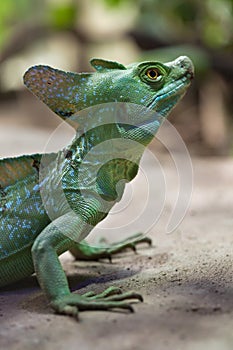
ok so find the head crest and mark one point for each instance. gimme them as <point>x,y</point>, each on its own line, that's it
<point>59,90</point>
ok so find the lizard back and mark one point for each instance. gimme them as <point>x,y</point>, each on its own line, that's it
<point>14,169</point>
<point>20,204</point>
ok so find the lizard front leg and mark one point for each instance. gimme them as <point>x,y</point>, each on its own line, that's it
<point>49,244</point>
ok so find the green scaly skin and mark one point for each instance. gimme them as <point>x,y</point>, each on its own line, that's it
<point>31,238</point>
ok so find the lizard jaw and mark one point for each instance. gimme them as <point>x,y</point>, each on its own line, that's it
<point>172,92</point>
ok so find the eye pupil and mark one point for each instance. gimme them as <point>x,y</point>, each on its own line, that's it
<point>153,73</point>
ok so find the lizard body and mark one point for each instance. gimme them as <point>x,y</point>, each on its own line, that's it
<point>40,218</point>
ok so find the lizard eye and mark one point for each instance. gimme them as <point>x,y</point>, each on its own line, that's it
<point>152,73</point>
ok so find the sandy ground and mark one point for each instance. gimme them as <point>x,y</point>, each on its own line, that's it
<point>185,279</point>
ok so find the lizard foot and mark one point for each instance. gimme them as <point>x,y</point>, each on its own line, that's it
<point>111,298</point>
<point>86,252</point>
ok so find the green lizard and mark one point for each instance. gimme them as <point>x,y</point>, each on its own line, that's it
<point>35,224</point>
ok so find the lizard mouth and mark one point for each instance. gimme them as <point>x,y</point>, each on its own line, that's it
<point>175,90</point>
<point>161,105</point>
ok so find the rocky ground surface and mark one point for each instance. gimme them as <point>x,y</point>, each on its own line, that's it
<point>186,277</point>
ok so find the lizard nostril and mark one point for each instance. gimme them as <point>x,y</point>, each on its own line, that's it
<point>186,63</point>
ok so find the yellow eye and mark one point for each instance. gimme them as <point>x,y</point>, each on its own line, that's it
<point>152,73</point>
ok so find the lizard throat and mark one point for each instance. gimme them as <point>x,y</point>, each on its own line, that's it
<point>169,95</point>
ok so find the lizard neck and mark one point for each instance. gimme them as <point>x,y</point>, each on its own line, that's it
<point>103,161</point>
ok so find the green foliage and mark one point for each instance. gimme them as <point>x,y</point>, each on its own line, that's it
<point>115,3</point>
<point>209,21</point>
<point>217,25</point>
<point>12,12</point>
<point>15,14</point>
<point>62,16</point>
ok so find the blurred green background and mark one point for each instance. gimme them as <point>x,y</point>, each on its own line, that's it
<point>67,33</point>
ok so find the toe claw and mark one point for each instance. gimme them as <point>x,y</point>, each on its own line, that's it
<point>133,247</point>
<point>131,309</point>
<point>140,298</point>
<point>149,241</point>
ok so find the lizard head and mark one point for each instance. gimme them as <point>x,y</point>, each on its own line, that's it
<point>155,85</point>
<point>166,83</point>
